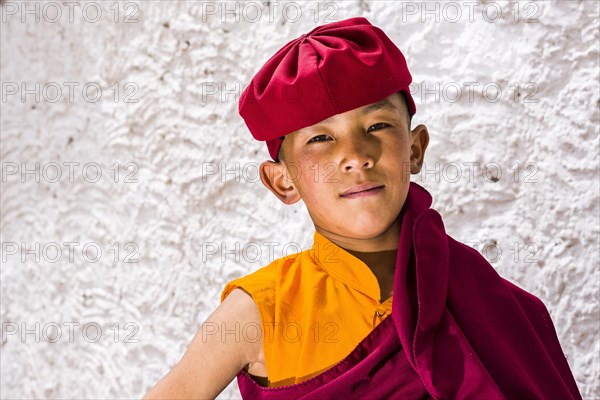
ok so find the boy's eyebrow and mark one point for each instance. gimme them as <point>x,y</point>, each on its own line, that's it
<point>382,104</point>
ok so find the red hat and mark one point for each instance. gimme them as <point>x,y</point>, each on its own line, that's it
<point>332,69</point>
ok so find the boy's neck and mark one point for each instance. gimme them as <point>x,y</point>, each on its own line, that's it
<point>382,264</point>
<point>378,253</point>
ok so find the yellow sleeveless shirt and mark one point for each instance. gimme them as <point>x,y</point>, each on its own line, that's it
<point>315,307</point>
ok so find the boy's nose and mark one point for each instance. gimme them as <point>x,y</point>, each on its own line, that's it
<point>356,155</point>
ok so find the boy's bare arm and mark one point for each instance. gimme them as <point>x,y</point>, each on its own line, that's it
<point>211,361</point>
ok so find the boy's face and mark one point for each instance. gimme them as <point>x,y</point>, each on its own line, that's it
<point>373,145</point>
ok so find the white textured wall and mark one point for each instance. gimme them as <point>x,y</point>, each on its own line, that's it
<point>175,54</point>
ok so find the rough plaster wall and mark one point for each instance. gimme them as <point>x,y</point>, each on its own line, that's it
<point>174,53</point>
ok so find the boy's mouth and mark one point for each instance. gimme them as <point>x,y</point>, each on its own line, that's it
<point>362,190</point>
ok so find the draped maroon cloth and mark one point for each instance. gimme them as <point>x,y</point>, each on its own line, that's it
<point>457,330</point>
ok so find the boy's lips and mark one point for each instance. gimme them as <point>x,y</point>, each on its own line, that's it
<point>356,189</point>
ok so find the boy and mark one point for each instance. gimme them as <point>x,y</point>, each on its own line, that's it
<point>385,304</point>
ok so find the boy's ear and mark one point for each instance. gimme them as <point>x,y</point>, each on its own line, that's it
<point>276,177</point>
<point>420,140</point>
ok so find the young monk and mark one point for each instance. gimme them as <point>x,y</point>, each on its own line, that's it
<point>384,304</point>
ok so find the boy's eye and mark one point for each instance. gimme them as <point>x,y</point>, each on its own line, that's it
<point>313,139</point>
<point>379,125</point>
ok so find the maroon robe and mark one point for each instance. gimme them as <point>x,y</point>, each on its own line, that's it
<point>457,330</point>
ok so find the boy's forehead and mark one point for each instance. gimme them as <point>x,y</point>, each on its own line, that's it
<point>384,104</point>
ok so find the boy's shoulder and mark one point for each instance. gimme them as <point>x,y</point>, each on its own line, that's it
<point>262,282</point>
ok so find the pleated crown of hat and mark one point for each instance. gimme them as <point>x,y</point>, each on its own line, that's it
<point>332,69</point>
